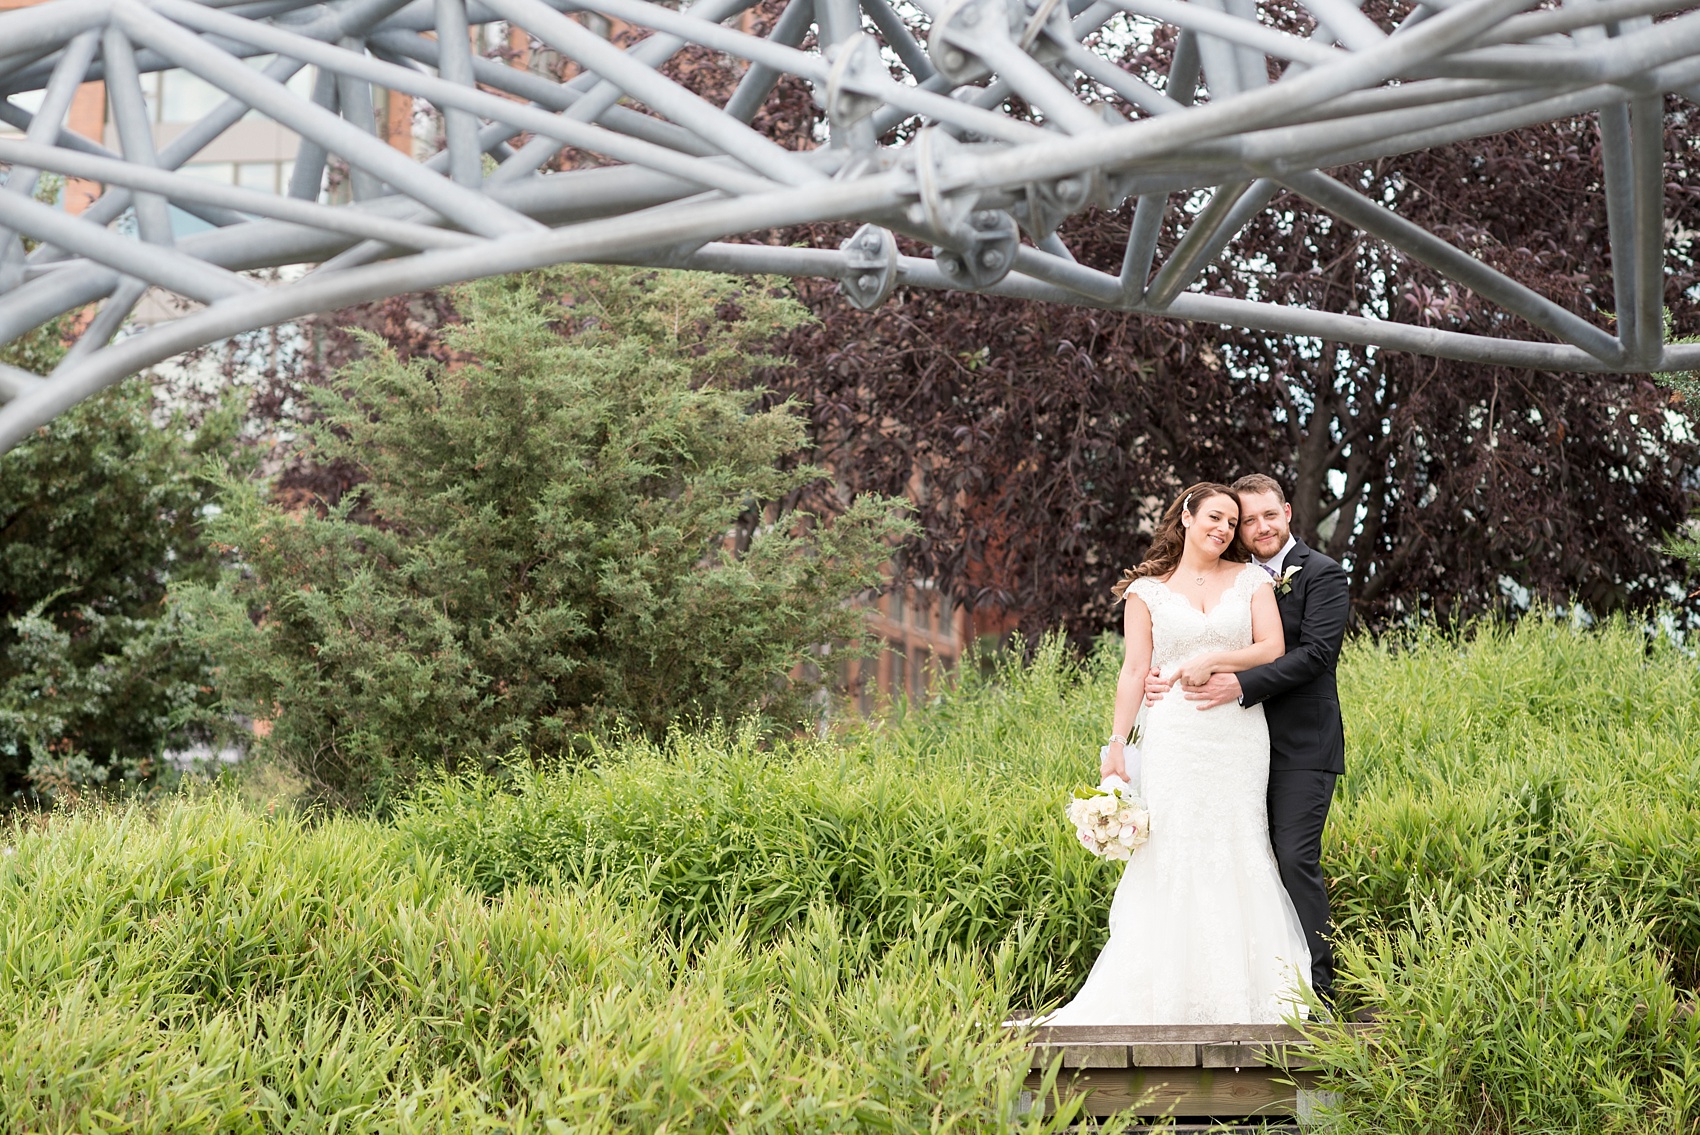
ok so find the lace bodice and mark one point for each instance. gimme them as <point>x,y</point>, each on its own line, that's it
<point>1180,631</point>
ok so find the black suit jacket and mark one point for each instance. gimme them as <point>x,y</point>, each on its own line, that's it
<point>1302,699</point>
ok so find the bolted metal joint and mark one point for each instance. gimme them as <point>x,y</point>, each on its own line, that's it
<point>986,252</point>
<point>871,257</point>
<point>1045,32</point>
<point>953,42</point>
<point>1049,203</point>
<point>855,66</point>
<point>938,211</point>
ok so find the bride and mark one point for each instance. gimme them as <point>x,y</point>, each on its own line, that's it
<point>1201,929</point>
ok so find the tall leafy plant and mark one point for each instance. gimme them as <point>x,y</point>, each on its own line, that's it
<point>99,512</point>
<point>571,522</point>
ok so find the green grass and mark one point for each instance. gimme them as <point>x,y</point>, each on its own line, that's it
<point>212,969</point>
<point>714,935</point>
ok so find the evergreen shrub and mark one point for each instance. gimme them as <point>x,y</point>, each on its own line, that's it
<point>579,524</point>
<point>101,511</point>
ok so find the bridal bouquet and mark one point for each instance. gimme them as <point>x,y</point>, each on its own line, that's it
<point>1110,821</point>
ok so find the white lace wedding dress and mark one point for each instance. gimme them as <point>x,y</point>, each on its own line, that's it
<point>1201,929</point>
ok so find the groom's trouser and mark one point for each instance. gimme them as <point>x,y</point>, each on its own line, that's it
<point>1298,808</point>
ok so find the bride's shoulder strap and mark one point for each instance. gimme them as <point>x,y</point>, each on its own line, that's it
<point>1250,576</point>
<point>1145,588</point>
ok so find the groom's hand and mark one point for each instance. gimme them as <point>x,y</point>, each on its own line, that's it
<point>1156,686</point>
<point>1219,690</point>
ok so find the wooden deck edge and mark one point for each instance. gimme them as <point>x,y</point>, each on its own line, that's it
<point>1159,1092</point>
<point>1180,1034</point>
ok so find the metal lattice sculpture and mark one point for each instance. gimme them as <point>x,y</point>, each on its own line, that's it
<point>986,188</point>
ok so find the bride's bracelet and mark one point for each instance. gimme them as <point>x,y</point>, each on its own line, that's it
<point>1115,737</point>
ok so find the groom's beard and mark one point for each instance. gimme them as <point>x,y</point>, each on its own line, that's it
<point>1275,546</point>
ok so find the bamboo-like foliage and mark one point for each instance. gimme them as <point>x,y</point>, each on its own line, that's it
<point>217,970</point>
<point>1514,855</point>
<point>944,826</point>
<point>711,935</point>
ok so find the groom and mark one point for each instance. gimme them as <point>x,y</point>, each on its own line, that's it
<point>1307,744</point>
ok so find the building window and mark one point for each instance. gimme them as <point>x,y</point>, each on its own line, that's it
<point>185,97</point>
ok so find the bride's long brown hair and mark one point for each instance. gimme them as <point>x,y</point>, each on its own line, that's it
<point>1164,555</point>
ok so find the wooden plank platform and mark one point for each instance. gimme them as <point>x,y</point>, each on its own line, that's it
<point>1220,1071</point>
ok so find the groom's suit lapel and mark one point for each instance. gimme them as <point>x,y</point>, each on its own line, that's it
<point>1291,603</point>
<point>1296,558</point>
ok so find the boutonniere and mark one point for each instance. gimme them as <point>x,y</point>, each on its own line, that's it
<point>1284,581</point>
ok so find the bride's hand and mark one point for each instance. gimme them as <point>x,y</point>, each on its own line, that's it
<point>1196,671</point>
<point>1111,763</point>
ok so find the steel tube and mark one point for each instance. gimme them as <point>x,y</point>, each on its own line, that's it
<point>52,295</point>
<point>1247,33</point>
<point>1647,153</point>
<point>1534,25</point>
<point>162,185</point>
<point>307,178</point>
<point>1254,65</point>
<point>758,82</point>
<point>1148,214</point>
<point>696,173</point>
<point>454,65</point>
<point>105,324</point>
<point>15,381</point>
<point>354,95</point>
<point>21,182</point>
<point>135,133</point>
<point>1454,264</point>
<point>898,37</point>
<point>1076,278</point>
<point>1219,61</point>
<point>733,137</point>
<point>1346,23</point>
<point>463,206</point>
<point>1130,87</point>
<point>566,130</point>
<point>1208,237</point>
<point>560,199</point>
<point>166,267</point>
<point>55,104</point>
<point>600,100</point>
<point>1157,136</point>
<point>601,240</point>
<point>24,30</point>
<point>1620,221</point>
<point>548,95</point>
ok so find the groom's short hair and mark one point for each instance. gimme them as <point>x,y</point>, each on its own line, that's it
<point>1259,483</point>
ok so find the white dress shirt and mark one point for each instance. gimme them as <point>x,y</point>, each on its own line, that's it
<point>1273,566</point>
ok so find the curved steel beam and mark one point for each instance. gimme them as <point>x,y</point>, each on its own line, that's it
<point>917,140</point>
